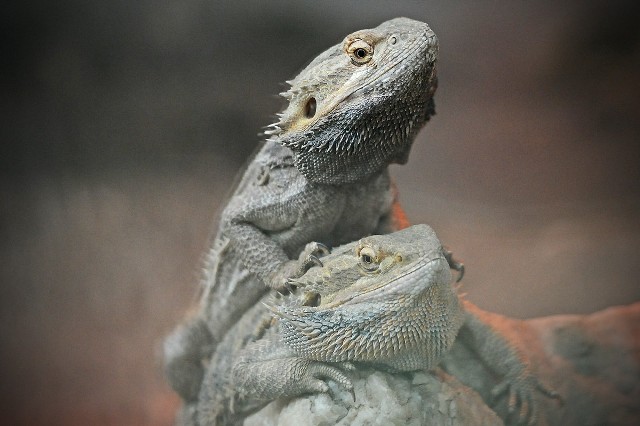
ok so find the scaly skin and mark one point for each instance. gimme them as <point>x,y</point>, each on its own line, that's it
<point>340,312</point>
<point>385,301</point>
<point>322,176</point>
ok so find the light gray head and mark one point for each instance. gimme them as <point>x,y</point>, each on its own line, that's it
<point>406,262</point>
<point>357,107</point>
<point>386,299</point>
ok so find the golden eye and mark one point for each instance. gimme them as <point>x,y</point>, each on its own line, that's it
<point>360,52</point>
<point>368,259</point>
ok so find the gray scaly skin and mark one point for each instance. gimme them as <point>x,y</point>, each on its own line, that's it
<point>385,301</point>
<point>321,176</point>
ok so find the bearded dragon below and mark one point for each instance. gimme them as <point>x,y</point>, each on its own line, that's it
<point>385,301</point>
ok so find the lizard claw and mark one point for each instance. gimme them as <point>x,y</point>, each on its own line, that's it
<point>290,287</point>
<point>316,249</point>
<point>307,263</point>
<point>459,267</point>
<point>314,259</point>
<point>454,264</point>
<point>549,393</point>
<point>280,279</point>
<point>353,393</point>
<point>322,249</point>
<point>522,393</point>
<point>319,370</point>
<point>347,365</point>
<point>285,289</point>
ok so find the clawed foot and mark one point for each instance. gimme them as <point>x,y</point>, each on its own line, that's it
<point>318,372</point>
<point>454,264</point>
<point>522,393</point>
<point>309,258</point>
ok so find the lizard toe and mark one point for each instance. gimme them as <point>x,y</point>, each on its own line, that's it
<point>454,264</point>
<point>348,366</point>
<point>321,370</point>
<point>316,248</point>
<point>312,385</point>
<point>522,397</point>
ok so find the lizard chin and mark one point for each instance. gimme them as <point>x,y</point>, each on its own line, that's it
<point>326,155</point>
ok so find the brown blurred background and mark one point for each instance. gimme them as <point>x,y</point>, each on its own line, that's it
<point>125,122</point>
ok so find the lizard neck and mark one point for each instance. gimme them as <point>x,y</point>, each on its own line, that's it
<point>342,179</point>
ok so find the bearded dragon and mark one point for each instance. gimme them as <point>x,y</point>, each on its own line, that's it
<point>322,176</point>
<point>385,301</point>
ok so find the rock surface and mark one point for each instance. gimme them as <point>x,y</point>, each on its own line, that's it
<point>592,361</point>
<point>382,398</point>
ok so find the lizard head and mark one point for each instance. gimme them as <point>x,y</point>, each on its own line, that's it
<point>378,266</point>
<point>374,299</point>
<point>357,107</point>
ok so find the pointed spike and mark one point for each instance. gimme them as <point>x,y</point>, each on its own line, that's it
<point>274,130</point>
<point>312,333</point>
<point>336,349</point>
<point>275,310</point>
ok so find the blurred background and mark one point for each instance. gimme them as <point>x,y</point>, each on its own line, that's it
<point>124,124</point>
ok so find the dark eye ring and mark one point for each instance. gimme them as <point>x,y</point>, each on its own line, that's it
<point>360,51</point>
<point>368,259</point>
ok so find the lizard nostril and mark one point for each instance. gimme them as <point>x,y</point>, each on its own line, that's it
<point>310,108</point>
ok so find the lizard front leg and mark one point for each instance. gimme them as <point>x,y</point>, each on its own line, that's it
<point>263,371</point>
<point>496,340</point>
<point>263,234</point>
<point>268,370</point>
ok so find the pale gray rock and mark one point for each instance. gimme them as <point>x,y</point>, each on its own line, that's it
<point>384,399</point>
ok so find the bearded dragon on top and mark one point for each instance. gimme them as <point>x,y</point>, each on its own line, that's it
<point>322,176</point>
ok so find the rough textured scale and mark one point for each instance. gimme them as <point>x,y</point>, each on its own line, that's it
<point>321,176</point>
<point>385,301</point>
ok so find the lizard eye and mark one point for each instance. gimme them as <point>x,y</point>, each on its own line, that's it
<point>360,52</point>
<point>368,259</point>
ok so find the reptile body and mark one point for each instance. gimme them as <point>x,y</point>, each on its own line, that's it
<point>387,302</point>
<point>322,176</point>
